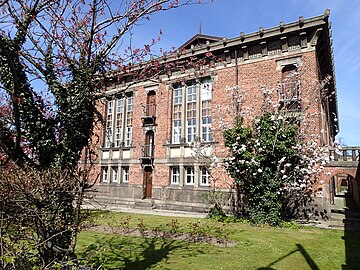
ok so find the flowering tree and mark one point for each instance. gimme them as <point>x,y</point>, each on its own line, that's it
<point>273,162</point>
<point>213,166</point>
<point>268,168</point>
<point>55,59</point>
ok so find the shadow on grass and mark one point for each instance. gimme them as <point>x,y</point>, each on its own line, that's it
<point>352,235</point>
<point>119,252</point>
<point>299,248</point>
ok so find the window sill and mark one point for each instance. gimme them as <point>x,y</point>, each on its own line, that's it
<point>113,184</point>
<point>174,185</point>
<point>204,187</point>
<point>174,145</point>
<point>117,148</point>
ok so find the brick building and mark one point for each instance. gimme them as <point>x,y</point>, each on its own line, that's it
<point>145,154</point>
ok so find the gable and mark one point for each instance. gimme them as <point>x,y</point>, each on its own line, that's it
<point>199,40</point>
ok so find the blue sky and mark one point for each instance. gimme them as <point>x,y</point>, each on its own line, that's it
<point>230,17</point>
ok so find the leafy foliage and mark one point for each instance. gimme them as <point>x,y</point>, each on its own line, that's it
<point>268,168</point>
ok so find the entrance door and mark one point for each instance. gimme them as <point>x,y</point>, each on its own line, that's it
<point>148,173</point>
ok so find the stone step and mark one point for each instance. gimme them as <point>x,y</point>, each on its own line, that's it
<point>108,202</point>
<point>337,216</point>
<point>340,223</point>
<point>338,211</point>
<point>144,204</point>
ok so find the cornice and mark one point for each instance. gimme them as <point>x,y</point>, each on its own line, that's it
<point>303,26</point>
<point>283,30</point>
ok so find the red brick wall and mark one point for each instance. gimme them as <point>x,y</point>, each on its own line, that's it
<point>310,95</point>
<point>138,137</point>
<point>163,120</point>
<point>135,174</point>
<point>161,175</point>
<point>252,77</point>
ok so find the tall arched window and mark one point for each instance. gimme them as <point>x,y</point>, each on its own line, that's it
<point>151,104</point>
<point>289,91</point>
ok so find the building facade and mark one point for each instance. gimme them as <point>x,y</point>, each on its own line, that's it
<point>146,154</point>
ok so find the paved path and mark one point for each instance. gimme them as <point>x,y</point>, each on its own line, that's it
<point>157,212</point>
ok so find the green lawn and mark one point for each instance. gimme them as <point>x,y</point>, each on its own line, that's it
<point>256,247</point>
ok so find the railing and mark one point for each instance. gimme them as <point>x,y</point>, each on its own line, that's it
<point>149,110</point>
<point>147,151</point>
<point>346,153</point>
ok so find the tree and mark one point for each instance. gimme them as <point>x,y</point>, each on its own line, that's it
<point>266,165</point>
<point>67,48</point>
<point>213,172</point>
<point>55,57</point>
<point>273,164</point>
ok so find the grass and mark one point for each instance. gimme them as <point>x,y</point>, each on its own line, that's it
<point>256,248</point>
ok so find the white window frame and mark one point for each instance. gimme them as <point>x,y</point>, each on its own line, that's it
<point>189,175</point>
<point>118,130</point>
<point>206,129</point>
<point>191,100</point>
<point>115,175</point>
<point>206,119</point>
<point>176,131</point>
<point>128,136</point>
<point>119,118</point>
<point>105,174</point>
<point>205,176</point>
<point>195,102</point>
<point>125,174</point>
<point>175,175</point>
<point>109,123</point>
<point>128,128</point>
<point>177,102</point>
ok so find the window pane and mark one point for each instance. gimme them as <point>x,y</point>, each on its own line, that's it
<point>190,176</point>
<point>175,171</point>
<point>105,175</point>
<point>206,111</point>
<point>129,121</point>
<point>191,113</point>
<point>176,117</point>
<point>206,90</point>
<point>119,121</point>
<point>125,174</point>
<point>114,175</point>
<point>109,124</point>
<point>205,177</point>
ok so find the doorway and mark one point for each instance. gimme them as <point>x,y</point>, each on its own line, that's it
<point>148,174</point>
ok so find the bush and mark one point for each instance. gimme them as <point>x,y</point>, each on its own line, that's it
<point>40,217</point>
<point>268,168</point>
